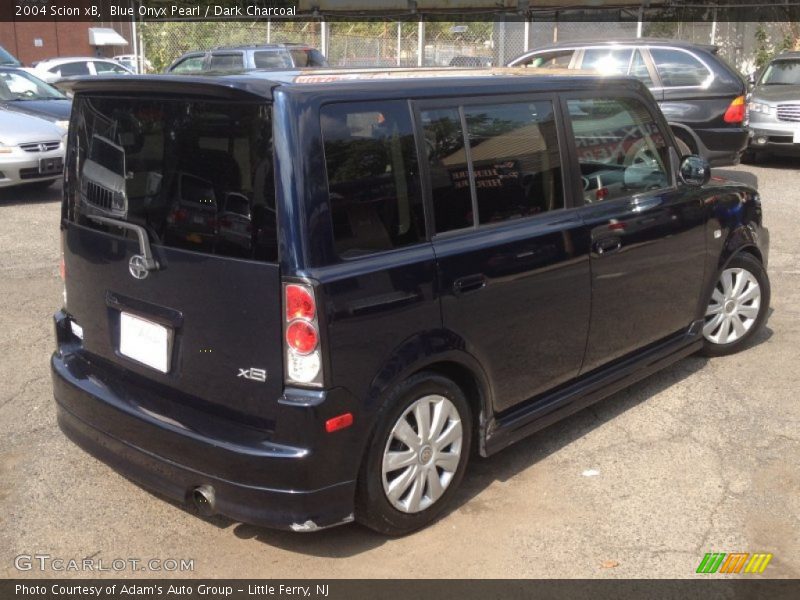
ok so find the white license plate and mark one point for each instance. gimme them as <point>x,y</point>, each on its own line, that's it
<point>145,341</point>
<point>796,139</point>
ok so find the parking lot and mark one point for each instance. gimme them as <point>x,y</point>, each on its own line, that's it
<point>702,457</point>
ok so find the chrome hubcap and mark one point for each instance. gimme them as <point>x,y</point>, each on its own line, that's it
<point>422,454</point>
<point>734,307</point>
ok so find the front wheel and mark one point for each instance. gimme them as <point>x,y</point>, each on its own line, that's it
<point>738,306</point>
<point>417,456</point>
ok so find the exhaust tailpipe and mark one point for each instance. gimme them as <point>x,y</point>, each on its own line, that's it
<point>202,498</point>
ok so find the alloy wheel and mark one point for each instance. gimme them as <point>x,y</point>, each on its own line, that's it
<point>734,306</point>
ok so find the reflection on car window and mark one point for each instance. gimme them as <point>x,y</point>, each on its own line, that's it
<point>448,169</point>
<point>639,69</point>
<point>19,85</point>
<point>677,68</point>
<point>515,160</point>
<point>782,72</point>
<point>107,67</point>
<point>607,61</point>
<point>197,174</point>
<point>71,69</point>
<point>621,150</point>
<point>373,179</point>
<point>551,60</point>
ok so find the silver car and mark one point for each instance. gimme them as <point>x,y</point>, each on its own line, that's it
<point>774,107</point>
<point>31,150</point>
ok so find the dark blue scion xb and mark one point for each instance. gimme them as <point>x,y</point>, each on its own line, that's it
<point>300,300</point>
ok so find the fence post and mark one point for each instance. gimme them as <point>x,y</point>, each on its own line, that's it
<point>421,43</point>
<point>639,22</point>
<point>323,32</point>
<point>527,42</point>
<point>399,42</point>
<point>269,31</point>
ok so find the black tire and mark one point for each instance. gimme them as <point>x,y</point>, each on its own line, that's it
<point>373,508</point>
<point>751,264</point>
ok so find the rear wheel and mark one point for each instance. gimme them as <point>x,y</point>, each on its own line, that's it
<point>738,306</point>
<point>417,457</point>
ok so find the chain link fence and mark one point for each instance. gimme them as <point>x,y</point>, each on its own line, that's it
<point>409,44</point>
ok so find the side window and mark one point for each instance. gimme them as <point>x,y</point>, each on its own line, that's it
<point>677,68</point>
<point>189,65</point>
<point>515,158</point>
<point>103,68</point>
<point>270,59</point>
<point>621,151</point>
<point>71,69</point>
<point>639,69</point>
<point>373,180</point>
<point>607,61</point>
<point>550,60</point>
<point>226,62</point>
<point>448,169</point>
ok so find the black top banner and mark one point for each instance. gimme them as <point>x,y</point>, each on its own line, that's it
<point>399,10</point>
<point>462,589</point>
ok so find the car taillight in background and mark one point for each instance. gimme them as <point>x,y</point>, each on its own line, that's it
<point>301,335</point>
<point>736,110</point>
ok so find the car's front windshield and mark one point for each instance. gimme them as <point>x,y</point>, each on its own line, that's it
<point>20,85</point>
<point>782,72</point>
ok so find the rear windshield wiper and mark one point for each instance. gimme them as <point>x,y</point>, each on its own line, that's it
<point>149,263</point>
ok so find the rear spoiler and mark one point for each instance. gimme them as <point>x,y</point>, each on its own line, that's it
<point>218,87</point>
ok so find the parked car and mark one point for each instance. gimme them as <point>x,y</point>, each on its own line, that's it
<point>7,59</point>
<point>31,150</point>
<point>53,69</point>
<point>247,58</point>
<point>22,92</point>
<point>702,97</point>
<point>471,61</point>
<point>774,107</point>
<point>129,61</point>
<point>463,260</point>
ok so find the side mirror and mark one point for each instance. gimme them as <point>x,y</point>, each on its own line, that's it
<point>694,171</point>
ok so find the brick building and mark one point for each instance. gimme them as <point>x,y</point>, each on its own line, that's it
<point>34,41</point>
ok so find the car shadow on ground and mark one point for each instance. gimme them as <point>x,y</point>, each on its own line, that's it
<point>351,540</point>
<point>773,161</point>
<point>30,194</point>
<point>745,177</point>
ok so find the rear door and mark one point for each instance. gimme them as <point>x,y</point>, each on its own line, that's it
<point>203,327</point>
<point>646,235</point>
<point>512,285</point>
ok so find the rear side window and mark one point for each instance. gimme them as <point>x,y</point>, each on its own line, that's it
<point>509,168</point>
<point>679,69</point>
<point>226,62</point>
<point>308,58</point>
<point>107,67</point>
<point>639,69</point>
<point>550,60</point>
<point>621,150</point>
<point>373,177</point>
<point>197,175</point>
<point>266,59</point>
<point>71,69</point>
<point>373,181</point>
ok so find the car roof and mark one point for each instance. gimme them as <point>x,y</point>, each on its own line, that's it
<point>394,81</point>
<point>627,42</point>
<point>790,54</point>
<point>63,59</point>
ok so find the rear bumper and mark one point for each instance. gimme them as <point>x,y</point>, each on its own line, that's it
<point>174,450</point>
<point>722,146</point>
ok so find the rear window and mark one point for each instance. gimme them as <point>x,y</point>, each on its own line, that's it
<point>679,69</point>
<point>373,177</point>
<point>268,59</point>
<point>226,62</point>
<point>177,168</point>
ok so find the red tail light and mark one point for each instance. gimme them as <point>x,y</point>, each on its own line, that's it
<point>299,303</point>
<point>735,112</point>
<point>301,335</point>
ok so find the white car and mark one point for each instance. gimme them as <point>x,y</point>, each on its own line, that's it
<point>53,69</point>
<point>31,150</point>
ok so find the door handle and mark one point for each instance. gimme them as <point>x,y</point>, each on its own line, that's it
<point>469,283</point>
<point>607,246</point>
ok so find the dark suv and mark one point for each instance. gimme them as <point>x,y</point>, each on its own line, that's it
<point>246,58</point>
<point>303,299</point>
<point>702,97</point>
